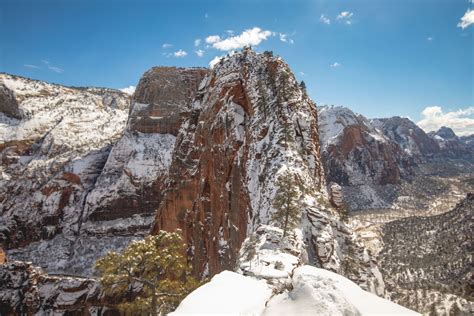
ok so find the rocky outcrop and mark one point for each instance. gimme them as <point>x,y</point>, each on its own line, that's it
<point>8,102</point>
<point>251,122</point>
<point>427,261</point>
<point>27,290</point>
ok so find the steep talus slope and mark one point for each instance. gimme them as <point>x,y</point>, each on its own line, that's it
<point>427,261</point>
<point>252,122</point>
<point>53,143</point>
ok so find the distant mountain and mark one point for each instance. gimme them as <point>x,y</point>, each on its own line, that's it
<point>451,146</point>
<point>381,163</point>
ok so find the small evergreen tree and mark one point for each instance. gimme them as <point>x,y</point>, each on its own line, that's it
<point>286,203</point>
<point>157,266</point>
<point>303,85</point>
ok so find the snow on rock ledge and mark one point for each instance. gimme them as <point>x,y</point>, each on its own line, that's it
<point>312,291</point>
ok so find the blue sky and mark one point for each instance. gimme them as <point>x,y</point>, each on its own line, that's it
<point>378,57</point>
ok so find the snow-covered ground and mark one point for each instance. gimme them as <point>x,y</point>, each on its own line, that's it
<point>312,291</point>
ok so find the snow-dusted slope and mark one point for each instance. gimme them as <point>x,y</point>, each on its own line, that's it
<point>79,181</point>
<point>310,291</point>
<point>52,150</point>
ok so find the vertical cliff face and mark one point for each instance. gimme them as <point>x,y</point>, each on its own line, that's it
<point>124,200</point>
<point>251,122</point>
<point>132,180</point>
<point>228,154</point>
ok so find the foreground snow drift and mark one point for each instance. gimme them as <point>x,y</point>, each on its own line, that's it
<point>227,293</point>
<point>313,292</point>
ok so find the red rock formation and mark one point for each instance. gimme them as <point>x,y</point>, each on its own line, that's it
<point>229,151</point>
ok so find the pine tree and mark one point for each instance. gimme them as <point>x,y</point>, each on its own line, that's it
<point>286,203</point>
<point>156,265</point>
<point>303,85</point>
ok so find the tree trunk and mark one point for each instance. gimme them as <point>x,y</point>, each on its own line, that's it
<point>285,226</point>
<point>154,303</point>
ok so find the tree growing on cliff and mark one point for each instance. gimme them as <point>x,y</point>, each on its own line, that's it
<point>155,268</point>
<point>287,212</point>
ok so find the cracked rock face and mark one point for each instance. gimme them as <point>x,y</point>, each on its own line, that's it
<point>251,122</point>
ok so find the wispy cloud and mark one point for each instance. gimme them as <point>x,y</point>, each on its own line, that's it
<point>197,42</point>
<point>51,67</point>
<point>302,73</point>
<point>253,37</point>
<point>199,52</point>
<point>284,38</point>
<point>206,15</point>
<point>167,45</point>
<point>345,17</point>
<point>31,66</point>
<point>467,19</point>
<point>461,121</point>
<point>430,38</point>
<point>128,90</point>
<point>180,53</point>
<point>335,65</point>
<point>56,69</point>
<point>324,19</point>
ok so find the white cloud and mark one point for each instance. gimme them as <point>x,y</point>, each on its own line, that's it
<point>230,32</point>
<point>345,17</point>
<point>324,19</point>
<point>467,19</point>
<point>214,61</point>
<point>180,53</point>
<point>430,38</point>
<point>206,15</point>
<point>213,39</point>
<point>31,66</point>
<point>45,61</point>
<point>56,69</point>
<point>167,45</point>
<point>128,90</point>
<point>461,121</point>
<point>197,42</point>
<point>302,73</point>
<point>335,65</point>
<point>284,38</point>
<point>199,52</point>
<point>248,37</point>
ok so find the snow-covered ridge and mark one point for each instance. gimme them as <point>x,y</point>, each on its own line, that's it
<point>310,291</point>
